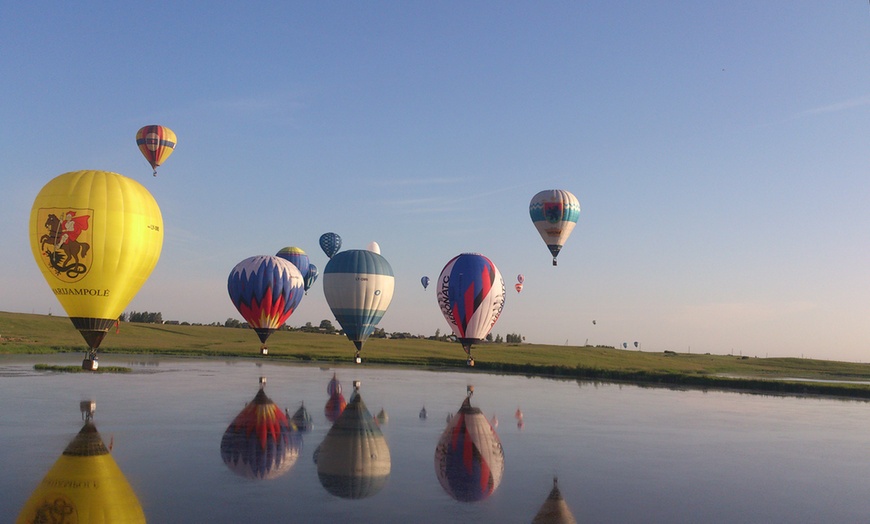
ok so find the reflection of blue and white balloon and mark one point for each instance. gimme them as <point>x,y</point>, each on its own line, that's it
<point>471,296</point>
<point>554,213</point>
<point>330,243</point>
<point>358,285</point>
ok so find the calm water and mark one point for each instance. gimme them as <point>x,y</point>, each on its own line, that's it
<point>622,453</point>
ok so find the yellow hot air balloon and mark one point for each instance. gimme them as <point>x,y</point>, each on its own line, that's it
<point>84,485</point>
<point>96,236</point>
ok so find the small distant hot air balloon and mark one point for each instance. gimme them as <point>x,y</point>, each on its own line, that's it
<point>594,322</point>
<point>554,510</point>
<point>635,343</point>
<point>518,286</point>
<point>336,403</point>
<point>521,278</point>
<point>358,285</point>
<point>297,257</point>
<point>554,213</point>
<point>353,461</point>
<point>96,236</point>
<point>302,419</point>
<point>471,296</point>
<point>625,345</point>
<point>425,282</point>
<point>261,442</point>
<point>382,417</point>
<point>469,459</point>
<point>156,144</point>
<point>330,243</point>
<point>84,485</point>
<point>266,290</point>
<point>374,247</point>
<point>312,277</point>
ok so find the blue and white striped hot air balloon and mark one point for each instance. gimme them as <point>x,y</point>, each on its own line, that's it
<point>554,213</point>
<point>358,285</point>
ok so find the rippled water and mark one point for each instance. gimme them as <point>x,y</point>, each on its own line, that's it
<point>622,453</point>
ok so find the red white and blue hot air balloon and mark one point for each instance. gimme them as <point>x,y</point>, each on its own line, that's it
<point>471,296</point>
<point>469,458</point>
<point>266,290</point>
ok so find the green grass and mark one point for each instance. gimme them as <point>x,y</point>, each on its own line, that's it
<point>31,334</point>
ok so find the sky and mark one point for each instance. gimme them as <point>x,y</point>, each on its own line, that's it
<point>718,151</point>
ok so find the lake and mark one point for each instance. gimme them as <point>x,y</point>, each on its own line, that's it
<point>622,453</point>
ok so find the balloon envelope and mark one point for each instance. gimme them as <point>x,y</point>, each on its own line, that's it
<point>330,243</point>
<point>518,286</point>
<point>469,459</point>
<point>313,273</point>
<point>261,442</point>
<point>84,485</point>
<point>96,236</point>
<point>425,282</point>
<point>298,258</point>
<point>374,247</point>
<point>266,291</point>
<point>358,285</point>
<point>471,296</point>
<point>353,461</point>
<point>520,279</point>
<point>554,213</point>
<point>156,144</point>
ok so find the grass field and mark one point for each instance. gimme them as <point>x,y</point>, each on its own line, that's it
<point>29,334</point>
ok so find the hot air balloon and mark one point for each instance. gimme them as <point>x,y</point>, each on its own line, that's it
<point>353,461</point>
<point>336,403</point>
<point>518,286</point>
<point>374,247</point>
<point>521,278</point>
<point>261,442</point>
<point>425,282</point>
<point>84,485</point>
<point>298,258</point>
<point>313,272</point>
<point>266,291</point>
<point>302,419</point>
<point>554,510</point>
<point>358,285</point>
<point>471,296</point>
<point>469,459</point>
<point>330,243</point>
<point>156,144</point>
<point>554,213</point>
<point>96,236</point>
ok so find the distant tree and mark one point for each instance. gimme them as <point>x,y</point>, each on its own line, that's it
<point>233,323</point>
<point>326,325</point>
<point>499,339</point>
<point>489,337</point>
<point>123,317</point>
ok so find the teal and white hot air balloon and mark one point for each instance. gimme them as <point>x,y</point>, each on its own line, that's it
<point>358,285</point>
<point>554,213</point>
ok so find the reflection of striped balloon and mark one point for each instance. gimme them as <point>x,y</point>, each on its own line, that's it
<point>469,459</point>
<point>261,442</point>
<point>554,213</point>
<point>358,285</point>
<point>334,407</point>
<point>353,461</point>
<point>266,291</point>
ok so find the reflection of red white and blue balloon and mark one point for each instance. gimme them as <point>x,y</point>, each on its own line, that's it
<point>554,213</point>
<point>471,296</point>
<point>261,442</point>
<point>469,459</point>
<point>266,290</point>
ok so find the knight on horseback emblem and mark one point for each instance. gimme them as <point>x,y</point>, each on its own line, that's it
<point>65,245</point>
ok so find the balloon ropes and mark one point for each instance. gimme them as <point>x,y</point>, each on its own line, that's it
<point>554,213</point>
<point>156,144</point>
<point>471,296</point>
<point>266,290</point>
<point>99,225</point>
<point>358,285</point>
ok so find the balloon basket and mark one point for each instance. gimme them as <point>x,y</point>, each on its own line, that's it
<point>358,360</point>
<point>264,350</point>
<point>90,365</point>
<point>470,362</point>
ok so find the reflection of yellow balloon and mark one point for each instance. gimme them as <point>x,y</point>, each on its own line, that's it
<point>84,485</point>
<point>96,236</point>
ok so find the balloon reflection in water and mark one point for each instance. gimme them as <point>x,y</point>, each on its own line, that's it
<point>84,485</point>
<point>336,403</point>
<point>261,442</point>
<point>353,461</point>
<point>554,510</point>
<point>469,459</point>
<point>302,419</point>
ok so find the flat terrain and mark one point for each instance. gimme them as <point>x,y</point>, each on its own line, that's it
<point>24,333</point>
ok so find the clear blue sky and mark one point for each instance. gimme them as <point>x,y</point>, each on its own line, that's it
<point>718,149</point>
